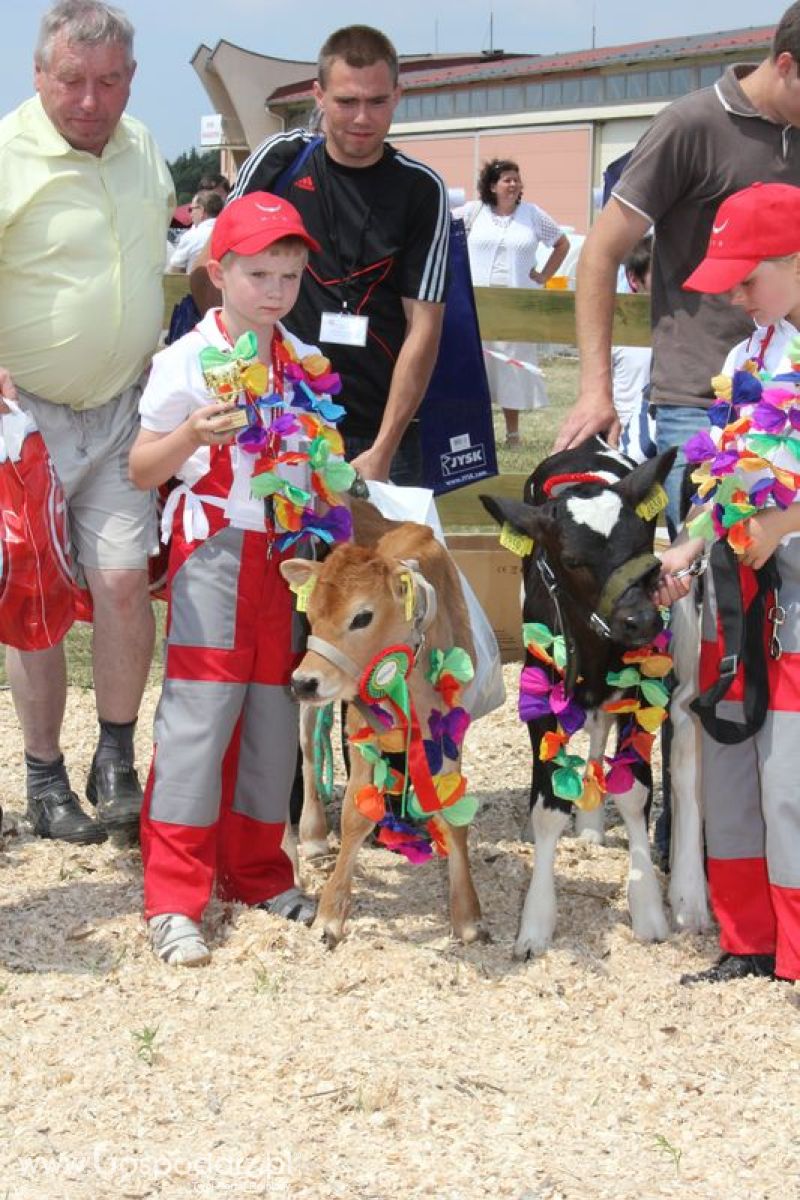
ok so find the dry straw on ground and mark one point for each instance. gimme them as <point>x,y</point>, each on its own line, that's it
<point>401,1066</point>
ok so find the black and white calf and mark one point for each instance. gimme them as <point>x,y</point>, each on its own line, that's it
<point>590,576</point>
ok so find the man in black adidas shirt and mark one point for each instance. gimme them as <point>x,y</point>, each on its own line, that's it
<point>372,299</point>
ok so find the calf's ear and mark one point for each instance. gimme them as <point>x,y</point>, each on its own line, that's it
<point>522,517</point>
<point>634,487</point>
<point>298,571</point>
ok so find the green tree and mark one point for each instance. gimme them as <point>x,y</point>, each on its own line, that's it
<point>189,168</point>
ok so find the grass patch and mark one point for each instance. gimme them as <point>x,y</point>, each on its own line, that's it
<point>539,428</point>
<point>78,646</point>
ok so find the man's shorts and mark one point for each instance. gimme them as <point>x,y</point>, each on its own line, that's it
<point>112,524</point>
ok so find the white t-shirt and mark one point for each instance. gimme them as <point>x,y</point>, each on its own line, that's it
<point>189,245</point>
<point>515,238</point>
<point>769,341</point>
<point>630,376</point>
<point>176,388</point>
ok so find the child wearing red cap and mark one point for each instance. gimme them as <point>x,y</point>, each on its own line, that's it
<point>747,468</point>
<point>235,410</point>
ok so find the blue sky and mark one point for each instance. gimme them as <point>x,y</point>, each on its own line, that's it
<point>169,98</point>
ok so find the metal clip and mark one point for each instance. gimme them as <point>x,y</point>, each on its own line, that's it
<point>777,617</point>
<point>695,568</point>
<point>546,572</point>
<point>600,626</point>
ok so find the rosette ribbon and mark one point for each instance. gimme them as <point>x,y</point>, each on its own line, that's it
<point>385,680</point>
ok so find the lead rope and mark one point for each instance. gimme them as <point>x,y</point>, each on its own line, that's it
<point>323,754</point>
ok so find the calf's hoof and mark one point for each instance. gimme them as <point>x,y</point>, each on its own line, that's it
<point>650,926</point>
<point>691,920</point>
<point>314,849</point>
<point>475,931</point>
<point>531,946</point>
<point>690,912</point>
<point>331,933</point>
<point>329,940</point>
<point>593,837</point>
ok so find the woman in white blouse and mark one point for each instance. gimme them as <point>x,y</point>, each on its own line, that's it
<point>503,236</point>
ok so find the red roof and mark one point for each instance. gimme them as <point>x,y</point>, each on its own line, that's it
<point>419,73</point>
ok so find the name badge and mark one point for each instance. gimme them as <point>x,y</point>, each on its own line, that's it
<point>343,328</point>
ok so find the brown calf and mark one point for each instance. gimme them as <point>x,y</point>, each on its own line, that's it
<point>358,608</point>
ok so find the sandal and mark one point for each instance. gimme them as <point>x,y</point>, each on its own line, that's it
<point>292,905</point>
<point>513,440</point>
<point>178,941</point>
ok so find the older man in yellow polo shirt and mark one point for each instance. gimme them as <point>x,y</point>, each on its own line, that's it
<point>84,208</point>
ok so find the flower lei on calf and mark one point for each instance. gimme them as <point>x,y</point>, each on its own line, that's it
<point>640,693</point>
<point>749,459</point>
<point>265,420</point>
<point>413,806</point>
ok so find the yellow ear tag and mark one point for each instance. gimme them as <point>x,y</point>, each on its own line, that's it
<point>654,502</point>
<point>303,592</point>
<point>516,542</point>
<point>409,596</point>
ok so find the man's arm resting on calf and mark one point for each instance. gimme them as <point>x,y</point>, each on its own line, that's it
<point>410,379</point>
<point>616,232</point>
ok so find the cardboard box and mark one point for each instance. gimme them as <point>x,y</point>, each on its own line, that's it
<point>495,575</point>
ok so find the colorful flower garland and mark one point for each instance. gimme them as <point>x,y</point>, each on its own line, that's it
<point>413,808</point>
<point>750,457</point>
<point>643,696</point>
<point>236,377</point>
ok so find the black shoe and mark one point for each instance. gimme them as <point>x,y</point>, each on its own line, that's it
<point>735,966</point>
<point>114,789</point>
<point>58,814</point>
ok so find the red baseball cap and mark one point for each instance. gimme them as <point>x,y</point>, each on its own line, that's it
<point>253,222</point>
<point>762,221</point>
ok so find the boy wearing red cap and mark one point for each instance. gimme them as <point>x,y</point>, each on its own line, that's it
<point>750,798</point>
<point>231,410</point>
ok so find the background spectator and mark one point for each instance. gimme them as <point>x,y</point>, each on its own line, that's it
<point>504,233</point>
<point>75,356</point>
<point>204,209</point>
<point>631,368</point>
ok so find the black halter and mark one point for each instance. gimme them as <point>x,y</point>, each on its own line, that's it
<point>598,619</point>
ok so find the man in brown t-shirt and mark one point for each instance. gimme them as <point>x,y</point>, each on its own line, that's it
<point>697,152</point>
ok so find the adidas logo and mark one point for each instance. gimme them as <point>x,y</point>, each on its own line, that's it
<point>306,183</point>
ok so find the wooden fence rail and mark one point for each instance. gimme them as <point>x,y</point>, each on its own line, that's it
<point>515,314</point>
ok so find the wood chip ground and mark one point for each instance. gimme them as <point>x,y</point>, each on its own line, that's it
<point>402,1065</point>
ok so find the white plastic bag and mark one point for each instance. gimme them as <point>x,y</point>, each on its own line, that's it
<point>486,692</point>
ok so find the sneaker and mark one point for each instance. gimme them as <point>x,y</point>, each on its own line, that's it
<point>178,940</point>
<point>292,905</point>
<point>57,814</point>
<point>114,789</point>
<point>734,966</point>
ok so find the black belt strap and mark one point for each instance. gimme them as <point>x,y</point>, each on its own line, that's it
<point>742,642</point>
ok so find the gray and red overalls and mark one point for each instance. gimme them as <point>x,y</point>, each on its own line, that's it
<point>751,796</point>
<point>226,729</point>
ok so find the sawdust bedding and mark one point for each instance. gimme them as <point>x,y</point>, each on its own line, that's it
<point>400,1066</point>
